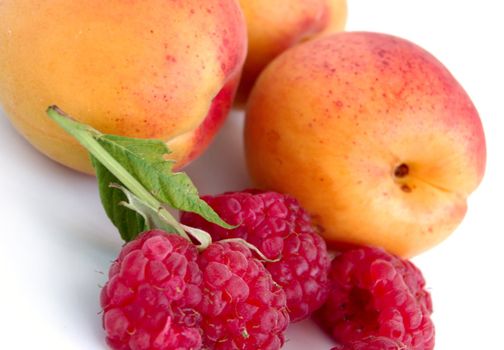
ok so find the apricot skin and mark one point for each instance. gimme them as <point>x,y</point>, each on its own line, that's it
<point>274,27</point>
<point>151,69</point>
<point>372,134</point>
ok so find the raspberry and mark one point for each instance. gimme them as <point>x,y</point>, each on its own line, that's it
<point>372,343</point>
<point>242,308</point>
<point>279,227</point>
<point>149,301</point>
<point>375,294</point>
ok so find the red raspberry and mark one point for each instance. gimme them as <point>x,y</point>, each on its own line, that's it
<point>375,294</point>
<point>242,308</point>
<point>149,301</point>
<point>372,343</point>
<point>279,227</point>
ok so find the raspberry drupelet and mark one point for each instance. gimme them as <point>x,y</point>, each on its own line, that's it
<point>372,343</point>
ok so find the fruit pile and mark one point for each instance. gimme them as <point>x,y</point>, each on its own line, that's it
<point>362,146</point>
<point>162,295</point>
<point>238,267</point>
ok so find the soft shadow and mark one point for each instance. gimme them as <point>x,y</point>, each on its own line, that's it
<point>86,248</point>
<point>222,167</point>
<point>307,335</point>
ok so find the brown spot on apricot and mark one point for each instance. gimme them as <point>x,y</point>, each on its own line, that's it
<point>401,171</point>
<point>406,188</point>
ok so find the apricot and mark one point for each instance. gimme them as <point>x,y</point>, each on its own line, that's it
<point>150,69</point>
<point>372,134</point>
<point>274,27</point>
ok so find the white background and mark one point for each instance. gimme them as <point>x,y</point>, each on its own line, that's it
<point>55,241</point>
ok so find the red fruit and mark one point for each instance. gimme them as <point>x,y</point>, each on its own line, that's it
<point>149,301</point>
<point>372,343</point>
<point>375,294</point>
<point>279,227</point>
<point>242,308</point>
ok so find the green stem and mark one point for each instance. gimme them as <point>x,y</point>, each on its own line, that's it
<point>87,137</point>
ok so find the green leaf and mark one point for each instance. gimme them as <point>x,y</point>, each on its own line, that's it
<point>145,160</point>
<point>152,219</point>
<point>139,165</point>
<point>150,216</point>
<point>128,223</point>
